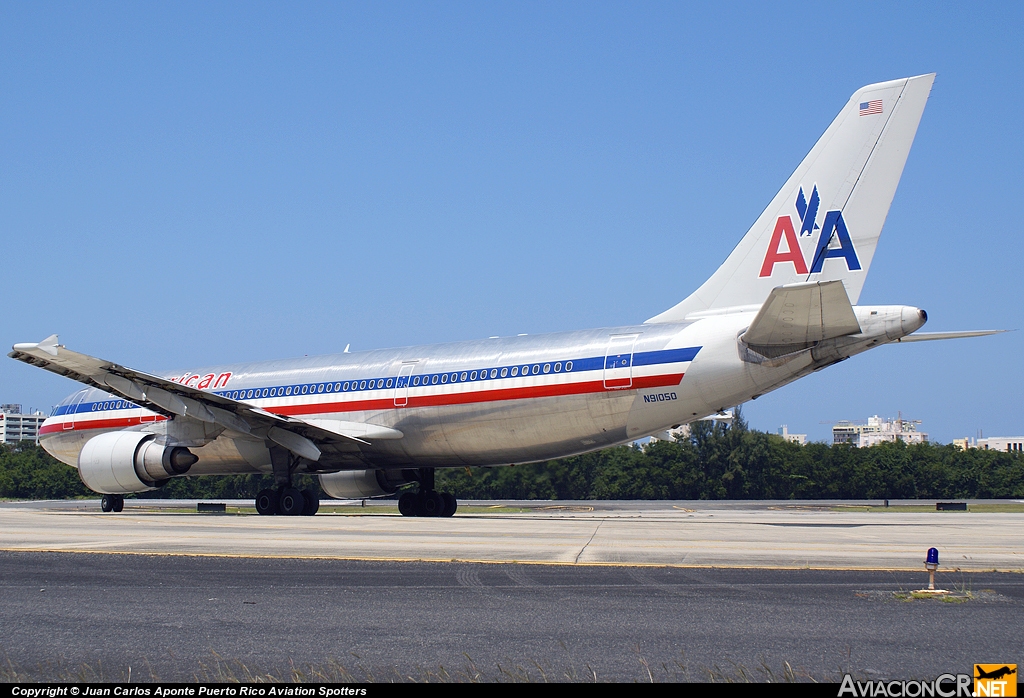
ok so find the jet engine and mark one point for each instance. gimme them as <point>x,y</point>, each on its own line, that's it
<point>359,484</point>
<point>120,462</point>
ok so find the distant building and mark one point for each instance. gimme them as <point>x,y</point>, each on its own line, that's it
<point>680,433</point>
<point>992,443</point>
<point>792,438</point>
<point>15,426</point>
<point>876,431</point>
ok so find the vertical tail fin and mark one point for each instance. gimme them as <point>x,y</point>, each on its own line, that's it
<point>824,223</point>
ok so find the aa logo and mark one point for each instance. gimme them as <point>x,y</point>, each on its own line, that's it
<point>833,239</point>
<point>995,680</point>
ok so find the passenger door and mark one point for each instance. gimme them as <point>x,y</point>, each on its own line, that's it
<point>402,383</point>
<point>618,361</point>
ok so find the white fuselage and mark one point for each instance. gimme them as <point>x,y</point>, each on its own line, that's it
<point>487,402</point>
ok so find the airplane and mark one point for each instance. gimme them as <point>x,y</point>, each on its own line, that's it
<point>781,306</point>
<point>995,674</point>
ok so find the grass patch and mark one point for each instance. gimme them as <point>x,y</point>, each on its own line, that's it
<point>219,669</point>
<point>333,509</point>
<point>1007,508</point>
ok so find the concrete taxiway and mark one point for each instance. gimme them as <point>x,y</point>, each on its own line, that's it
<point>776,535</point>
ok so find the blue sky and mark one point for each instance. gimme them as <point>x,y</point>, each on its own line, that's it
<point>187,184</point>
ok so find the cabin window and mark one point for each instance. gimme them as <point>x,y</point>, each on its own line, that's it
<point>558,366</point>
<point>362,385</point>
<point>568,365</point>
<point>433,380</point>
<point>504,372</point>
<point>463,376</point>
<point>536,369</point>
<point>547,368</point>
<point>515,370</point>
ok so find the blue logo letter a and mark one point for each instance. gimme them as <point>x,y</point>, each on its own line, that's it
<point>834,223</point>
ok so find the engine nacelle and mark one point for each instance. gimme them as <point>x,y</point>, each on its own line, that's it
<point>360,484</point>
<point>120,462</point>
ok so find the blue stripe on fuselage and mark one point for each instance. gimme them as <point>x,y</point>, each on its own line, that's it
<point>593,363</point>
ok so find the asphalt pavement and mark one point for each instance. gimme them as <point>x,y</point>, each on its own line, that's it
<point>185,617</point>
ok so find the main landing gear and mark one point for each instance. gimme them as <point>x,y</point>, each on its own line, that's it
<point>112,502</point>
<point>427,502</point>
<point>288,501</point>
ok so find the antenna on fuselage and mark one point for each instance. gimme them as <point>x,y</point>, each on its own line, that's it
<point>346,348</point>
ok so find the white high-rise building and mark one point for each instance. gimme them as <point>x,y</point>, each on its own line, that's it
<point>792,438</point>
<point>15,426</point>
<point>878,430</point>
<point>993,443</point>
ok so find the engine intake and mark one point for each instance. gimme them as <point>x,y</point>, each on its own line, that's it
<point>120,462</point>
<point>359,484</point>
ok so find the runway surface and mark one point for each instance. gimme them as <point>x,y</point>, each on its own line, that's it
<point>776,535</point>
<point>177,617</point>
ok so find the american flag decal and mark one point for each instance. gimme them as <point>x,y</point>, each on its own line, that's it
<point>872,107</point>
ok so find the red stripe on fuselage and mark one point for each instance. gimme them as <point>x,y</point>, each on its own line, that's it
<point>119,423</point>
<point>463,398</point>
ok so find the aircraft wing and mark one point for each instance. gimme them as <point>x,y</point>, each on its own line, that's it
<point>170,399</point>
<point>798,314</point>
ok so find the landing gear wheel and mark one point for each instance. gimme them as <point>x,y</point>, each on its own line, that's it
<point>407,504</point>
<point>107,502</point>
<point>266,502</point>
<point>450,504</point>
<point>430,504</point>
<point>312,498</point>
<point>118,503</point>
<point>291,502</point>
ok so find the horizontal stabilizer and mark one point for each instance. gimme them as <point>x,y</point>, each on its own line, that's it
<point>800,314</point>
<point>931,336</point>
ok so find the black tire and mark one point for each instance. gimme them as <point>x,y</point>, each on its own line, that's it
<point>118,503</point>
<point>107,502</point>
<point>450,504</point>
<point>431,504</point>
<point>407,504</point>
<point>291,502</point>
<point>266,502</point>
<point>312,498</point>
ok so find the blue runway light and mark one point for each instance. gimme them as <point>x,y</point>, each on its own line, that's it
<point>933,556</point>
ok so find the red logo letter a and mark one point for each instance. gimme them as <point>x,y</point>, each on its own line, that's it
<point>783,226</point>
